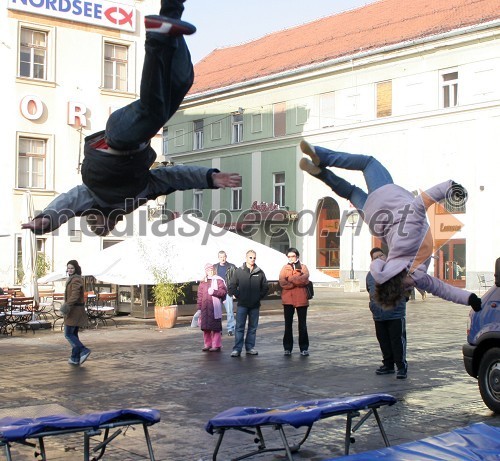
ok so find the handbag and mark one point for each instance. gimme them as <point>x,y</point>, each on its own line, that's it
<point>64,309</point>
<point>310,290</point>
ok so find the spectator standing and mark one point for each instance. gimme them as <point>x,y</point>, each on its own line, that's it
<point>225,270</point>
<point>76,315</point>
<point>248,286</point>
<point>390,328</point>
<point>293,279</point>
<point>211,295</point>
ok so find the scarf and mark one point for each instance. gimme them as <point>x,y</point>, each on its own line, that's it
<point>215,300</point>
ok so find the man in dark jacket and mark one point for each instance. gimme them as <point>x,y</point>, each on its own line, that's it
<point>249,286</point>
<point>225,270</point>
<point>390,328</point>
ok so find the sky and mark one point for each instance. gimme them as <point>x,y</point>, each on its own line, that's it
<point>223,23</point>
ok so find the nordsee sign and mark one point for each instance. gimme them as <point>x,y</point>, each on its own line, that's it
<point>98,13</point>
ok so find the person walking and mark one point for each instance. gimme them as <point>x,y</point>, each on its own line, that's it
<point>75,315</point>
<point>116,172</point>
<point>211,295</point>
<point>226,270</point>
<point>248,286</point>
<point>390,328</point>
<point>397,217</point>
<point>293,280</point>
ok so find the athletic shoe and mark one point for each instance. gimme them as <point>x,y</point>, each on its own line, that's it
<point>214,349</point>
<point>84,356</point>
<point>235,354</point>
<point>402,373</point>
<point>309,167</point>
<point>168,26</point>
<point>73,362</point>
<point>384,370</point>
<point>288,353</point>
<point>308,149</point>
<point>205,349</point>
<point>252,352</point>
<point>305,353</point>
<point>230,333</point>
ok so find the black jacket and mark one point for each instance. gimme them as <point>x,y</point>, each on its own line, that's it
<point>231,268</point>
<point>248,287</point>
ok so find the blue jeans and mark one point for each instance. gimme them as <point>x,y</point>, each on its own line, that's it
<point>71,334</point>
<point>253,322</point>
<point>376,175</point>
<point>231,322</point>
<point>167,76</point>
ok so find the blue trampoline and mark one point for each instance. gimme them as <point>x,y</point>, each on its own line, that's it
<point>478,442</point>
<point>251,420</point>
<point>19,430</point>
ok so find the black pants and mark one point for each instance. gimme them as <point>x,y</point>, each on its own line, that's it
<point>391,335</point>
<point>288,311</point>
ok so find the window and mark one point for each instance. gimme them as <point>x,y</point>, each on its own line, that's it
<point>279,110</point>
<point>384,99</point>
<point>197,199</point>
<point>236,198</point>
<point>41,259</point>
<point>164,139</point>
<point>198,134</point>
<point>237,128</point>
<point>279,189</point>
<point>31,163</point>
<point>33,54</point>
<point>449,89</point>
<point>327,109</point>
<point>115,67</point>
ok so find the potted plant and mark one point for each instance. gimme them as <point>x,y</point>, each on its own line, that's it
<point>166,294</point>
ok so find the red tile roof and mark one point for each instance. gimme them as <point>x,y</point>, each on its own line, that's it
<point>373,26</point>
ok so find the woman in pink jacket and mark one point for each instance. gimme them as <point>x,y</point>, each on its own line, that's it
<point>293,279</point>
<point>397,217</point>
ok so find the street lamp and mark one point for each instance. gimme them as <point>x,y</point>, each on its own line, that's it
<point>352,219</point>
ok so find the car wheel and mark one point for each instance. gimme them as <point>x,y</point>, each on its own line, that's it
<point>489,379</point>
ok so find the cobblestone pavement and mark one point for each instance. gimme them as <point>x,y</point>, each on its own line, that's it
<point>138,365</point>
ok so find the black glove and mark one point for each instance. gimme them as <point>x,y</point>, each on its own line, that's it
<point>475,302</point>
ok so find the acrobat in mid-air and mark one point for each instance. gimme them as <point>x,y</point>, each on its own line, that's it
<point>394,215</point>
<point>116,172</point>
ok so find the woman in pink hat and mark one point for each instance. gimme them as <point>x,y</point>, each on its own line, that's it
<point>211,295</point>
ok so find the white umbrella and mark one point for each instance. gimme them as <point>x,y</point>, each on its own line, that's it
<point>182,247</point>
<point>29,252</point>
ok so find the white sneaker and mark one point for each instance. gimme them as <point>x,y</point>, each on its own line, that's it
<point>73,362</point>
<point>252,352</point>
<point>235,354</point>
<point>84,357</point>
<point>308,149</point>
<point>309,167</point>
<point>304,352</point>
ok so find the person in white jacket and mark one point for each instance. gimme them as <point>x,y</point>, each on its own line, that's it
<point>397,217</point>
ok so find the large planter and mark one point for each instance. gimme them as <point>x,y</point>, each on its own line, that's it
<point>166,316</point>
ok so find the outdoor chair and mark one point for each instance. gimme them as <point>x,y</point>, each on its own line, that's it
<point>21,312</point>
<point>57,302</point>
<point>484,284</point>
<point>103,310</point>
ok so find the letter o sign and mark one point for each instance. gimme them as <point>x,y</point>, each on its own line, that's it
<point>31,107</point>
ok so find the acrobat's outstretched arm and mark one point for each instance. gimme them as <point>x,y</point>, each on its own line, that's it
<point>64,207</point>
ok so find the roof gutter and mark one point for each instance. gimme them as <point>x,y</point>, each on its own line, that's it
<point>343,59</point>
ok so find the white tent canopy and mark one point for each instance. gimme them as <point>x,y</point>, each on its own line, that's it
<point>181,248</point>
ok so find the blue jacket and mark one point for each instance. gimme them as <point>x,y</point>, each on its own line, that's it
<point>378,313</point>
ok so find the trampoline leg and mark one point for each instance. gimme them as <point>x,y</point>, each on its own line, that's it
<point>381,427</point>
<point>41,445</point>
<point>348,426</point>
<point>148,443</point>
<point>285,442</point>
<point>7,451</point>
<point>217,445</point>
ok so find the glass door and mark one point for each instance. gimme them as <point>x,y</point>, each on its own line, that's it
<point>450,263</point>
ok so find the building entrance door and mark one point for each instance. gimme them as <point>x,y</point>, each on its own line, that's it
<point>450,264</point>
